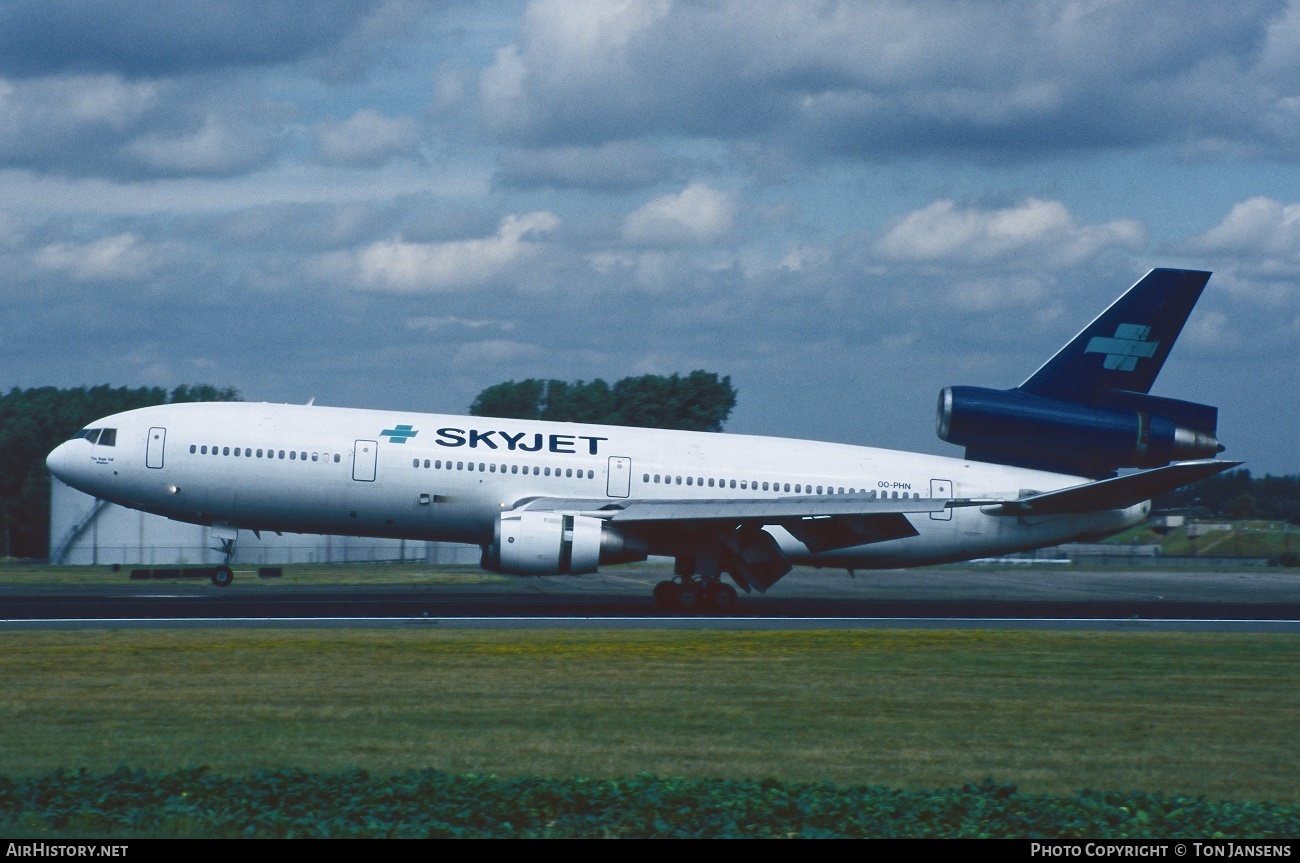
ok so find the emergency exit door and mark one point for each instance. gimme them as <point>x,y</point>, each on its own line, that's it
<point>941,489</point>
<point>153,450</point>
<point>619,483</point>
<point>364,454</point>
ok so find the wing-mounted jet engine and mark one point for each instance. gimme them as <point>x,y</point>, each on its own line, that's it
<point>1088,410</point>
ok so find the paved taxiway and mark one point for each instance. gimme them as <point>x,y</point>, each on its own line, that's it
<point>1254,600</point>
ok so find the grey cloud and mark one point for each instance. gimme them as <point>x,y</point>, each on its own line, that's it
<point>612,166</point>
<point>110,126</point>
<point>167,37</point>
<point>890,78</point>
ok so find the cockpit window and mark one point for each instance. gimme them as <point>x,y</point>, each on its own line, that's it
<point>108,437</point>
<point>91,435</point>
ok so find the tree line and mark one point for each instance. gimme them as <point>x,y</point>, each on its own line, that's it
<point>35,421</point>
<point>1237,495</point>
<point>699,401</point>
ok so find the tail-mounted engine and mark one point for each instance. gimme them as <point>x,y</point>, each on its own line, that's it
<point>1125,429</point>
<point>551,543</point>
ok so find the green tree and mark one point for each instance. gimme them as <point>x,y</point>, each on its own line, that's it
<point>33,422</point>
<point>700,401</point>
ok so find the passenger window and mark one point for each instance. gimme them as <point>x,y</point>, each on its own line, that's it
<point>492,468</point>
<point>426,464</point>
<point>568,472</point>
<point>787,486</point>
<point>514,468</point>
<point>690,481</point>
<point>259,453</point>
<point>656,478</point>
<point>679,480</point>
<point>480,467</point>
<point>591,474</point>
<point>460,465</point>
<point>315,456</point>
<point>192,449</point>
<point>546,471</point>
<point>438,464</point>
<point>645,478</point>
<point>293,455</point>
<point>336,458</point>
<point>710,482</point>
<point>415,462</point>
<point>819,489</point>
<point>471,465</point>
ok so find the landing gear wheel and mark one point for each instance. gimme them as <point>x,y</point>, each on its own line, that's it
<point>223,576</point>
<point>665,595</point>
<point>690,596</point>
<point>723,597</point>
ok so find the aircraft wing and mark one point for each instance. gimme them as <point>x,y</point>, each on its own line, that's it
<point>821,522</point>
<point>1116,493</point>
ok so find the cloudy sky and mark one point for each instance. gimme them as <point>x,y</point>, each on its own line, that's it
<point>844,207</point>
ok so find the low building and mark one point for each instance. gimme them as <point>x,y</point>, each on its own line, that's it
<point>86,531</point>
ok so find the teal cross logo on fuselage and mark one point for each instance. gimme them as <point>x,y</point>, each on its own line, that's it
<point>1122,352</point>
<point>399,434</point>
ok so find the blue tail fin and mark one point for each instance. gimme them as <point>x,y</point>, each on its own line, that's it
<point>1126,346</point>
<point>1088,411</point>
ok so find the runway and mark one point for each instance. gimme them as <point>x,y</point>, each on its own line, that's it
<point>1259,601</point>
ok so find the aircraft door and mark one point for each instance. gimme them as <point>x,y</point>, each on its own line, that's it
<point>153,450</point>
<point>364,456</point>
<point>941,488</point>
<point>619,483</point>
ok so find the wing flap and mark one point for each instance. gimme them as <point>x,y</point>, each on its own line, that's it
<point>844,531</point>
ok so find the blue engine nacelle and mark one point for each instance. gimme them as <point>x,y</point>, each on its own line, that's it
<point>1126,430</point>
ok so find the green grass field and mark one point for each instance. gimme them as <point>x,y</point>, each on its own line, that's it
<point>1053,712</point>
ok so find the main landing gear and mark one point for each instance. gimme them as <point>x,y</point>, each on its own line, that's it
<point>695,594</point>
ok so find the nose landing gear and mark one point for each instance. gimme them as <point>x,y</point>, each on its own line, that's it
<point>224,575</point>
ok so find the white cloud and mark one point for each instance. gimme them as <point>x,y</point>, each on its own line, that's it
<point>111,258</point>
<point>1043,229</point>
<point>492,352</point>
<point>1260,227</point>
<point>431,323</point>
<point>697,214</point>
<point>216,147</point>
<point>403,267</point>
<point>366,138</point>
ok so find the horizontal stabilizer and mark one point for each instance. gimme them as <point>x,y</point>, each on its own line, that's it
<point>1117,493</point>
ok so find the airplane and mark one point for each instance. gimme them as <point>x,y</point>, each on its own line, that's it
<point>1041,467</point>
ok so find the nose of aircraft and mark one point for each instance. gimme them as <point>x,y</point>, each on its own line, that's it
<point>59,461</point>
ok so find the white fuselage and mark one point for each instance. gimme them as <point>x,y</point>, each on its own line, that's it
<point>313,469</point>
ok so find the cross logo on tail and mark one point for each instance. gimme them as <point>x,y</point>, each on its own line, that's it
<point>1127,347</point>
